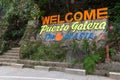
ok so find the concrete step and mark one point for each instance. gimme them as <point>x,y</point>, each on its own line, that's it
<point>11,54</point>
<point>12,64</point>
<point>9,57</point>
<point>13,51</point>
<point>17,48</point>
<point>8,60</point>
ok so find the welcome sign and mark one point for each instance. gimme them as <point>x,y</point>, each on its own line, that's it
<point>79,25</point>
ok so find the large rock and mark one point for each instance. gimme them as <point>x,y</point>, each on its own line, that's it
<point>31,31</point>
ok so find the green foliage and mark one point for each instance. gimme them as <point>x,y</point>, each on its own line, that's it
<point>21,8</point>
<point>39,51</point>
<point>112,51</point>
<point>51,53</point>
<point>74,52</point>
<point>74,47</point>
<point>29,48</point>
<point>114,20</point>
<point>101,51</point>
<point>90,62</point>
<point>41,2</point>
<point>114,13</point>
<point>14,33</point>
<point>74,61</point>
<point>35,12</point>
<point>4,47</point>
<point>114,34</point>
<point>86,46</point>
<point>93,55</point>
<point>3,23</point>
<point>89,47</point>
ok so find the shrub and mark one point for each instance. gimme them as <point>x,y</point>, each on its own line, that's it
<point>29,48</point>
<point>94,55</point>
<point>90,62</point>
<point>112,51</point>
<point>39,51</point>
<point>52,53</point>
<point>4,47</point>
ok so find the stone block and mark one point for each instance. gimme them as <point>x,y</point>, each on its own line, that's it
<point>75,71</point>
<point>114,75</point>
<point>43,68</point>
<point>17,65</point>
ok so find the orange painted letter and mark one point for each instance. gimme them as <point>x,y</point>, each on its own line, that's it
<point>102,13</point>
<point>45,20</point>
<point>66,17</point>
<point>53,19</point>
<point>78,18</point>
<point>89,16</point>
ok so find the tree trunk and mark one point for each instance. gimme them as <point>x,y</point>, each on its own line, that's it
<point>107,54</point>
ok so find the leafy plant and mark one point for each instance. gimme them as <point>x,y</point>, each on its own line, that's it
<point>39,51</point>
<point>29,48</point>
<point>4,47</point>
<point>35,12</point>
<point>86,47</point>
<point>74,61</point>
<point>114,29</point>
<point>74,53</point>
<point>112,51</point>
<point>51,53</point>
<point>90,63</point>
<point>93,54</point>
<point>21,8</point>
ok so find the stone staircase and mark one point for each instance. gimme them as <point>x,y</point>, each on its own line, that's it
<point>10,58</point>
